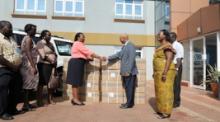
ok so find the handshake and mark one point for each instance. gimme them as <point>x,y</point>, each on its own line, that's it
<point>103,58</point>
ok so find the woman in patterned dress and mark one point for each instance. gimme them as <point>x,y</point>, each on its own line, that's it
<point>29,62</point>
<point>164,74</point>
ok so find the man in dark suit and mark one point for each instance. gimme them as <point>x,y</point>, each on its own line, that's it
<point>128,69</point>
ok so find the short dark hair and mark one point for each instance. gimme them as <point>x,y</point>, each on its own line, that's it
<point>173,35</point>
<point>166,34</point>
<point>28,27</point>
<point>3,23</point>
<point>43,33</point>
<point>77,36</point>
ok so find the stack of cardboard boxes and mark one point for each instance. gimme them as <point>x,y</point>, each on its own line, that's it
<point>111,89</point>
<point>112,84</point>
<point>90,92</point>
<point>103,83</point>
<point>140,92</point>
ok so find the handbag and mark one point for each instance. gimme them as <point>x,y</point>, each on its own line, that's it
<point>54,80</point>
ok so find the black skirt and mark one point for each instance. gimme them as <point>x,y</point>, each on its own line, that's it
<point>75,71</point>
<point>45,71</point>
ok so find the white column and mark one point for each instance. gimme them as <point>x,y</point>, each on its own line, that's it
<point>191,62</point>
<point>204,61</point>
<point>218,50</point>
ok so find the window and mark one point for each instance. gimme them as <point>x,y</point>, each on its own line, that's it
<point>214,1</point>
<point>167,11</point>
<point>139,52</point>
<point>63,48</point>
<point>130,9</point>
<point>30,6</point>
<point>69,7</point>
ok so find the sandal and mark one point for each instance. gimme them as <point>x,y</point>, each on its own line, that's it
<point>163,116</point>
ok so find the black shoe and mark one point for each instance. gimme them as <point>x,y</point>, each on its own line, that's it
<point>78,104</point>
<point>17,112</point>
<point>40,104</point>
<point>7,117</point>
<point>126,106</point>
<point>32,106</point>
<point>176,105</point>
<point>26,108</point>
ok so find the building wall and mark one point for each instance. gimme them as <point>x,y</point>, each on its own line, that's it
<point>99,19</point>
<point>182,9</point>
<point>102,33</point>
<point>204,21</point>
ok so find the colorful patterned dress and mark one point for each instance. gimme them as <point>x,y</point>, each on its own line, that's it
<point>30,81</point>
<point>163,90</point>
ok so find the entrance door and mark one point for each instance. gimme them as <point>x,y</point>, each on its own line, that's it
<point>211,52</point>
<point>198,63</point>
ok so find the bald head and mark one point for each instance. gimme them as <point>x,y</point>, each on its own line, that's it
<point>123,38</point>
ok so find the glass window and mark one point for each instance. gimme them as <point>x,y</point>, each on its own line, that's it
<point>59,5</point>
<point>20,4</point>
<point>138,10</point>
<point>30,6</point>
<point>69,7</point>
<point>63,48</point>
<point>120,1</point>
<point>79,7</point>
<point>128,1</point>
<point>129,9</point>
<point>167,10</point>
<point>119,9</point>
<point>41,5</point>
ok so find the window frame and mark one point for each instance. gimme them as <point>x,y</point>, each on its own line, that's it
<point>167,11</point>
<point>128,16</point>
<point>25,9</point>
<point>73,12</point>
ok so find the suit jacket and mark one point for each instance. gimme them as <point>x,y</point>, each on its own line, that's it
<point>127,56</point>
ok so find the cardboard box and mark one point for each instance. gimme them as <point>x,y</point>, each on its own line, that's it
<point>90,97</point>
<point>111,65</point>
<point>112,97</point>
<point>94,65</point>
<point>92,76</point>
<point>141,75</point>
<point>141,64</point>
<point>111,75</point>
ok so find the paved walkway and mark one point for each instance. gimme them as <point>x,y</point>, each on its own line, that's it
<point>197,106</point>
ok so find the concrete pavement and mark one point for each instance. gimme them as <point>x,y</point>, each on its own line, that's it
<point>197,106</point>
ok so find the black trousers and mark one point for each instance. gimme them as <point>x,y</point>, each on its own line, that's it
<point>129,83</point>
<point>10,89</point>
<point>177,87</point>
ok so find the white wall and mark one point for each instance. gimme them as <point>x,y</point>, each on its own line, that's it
<point>99,18</point>
<point>148,55</point>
